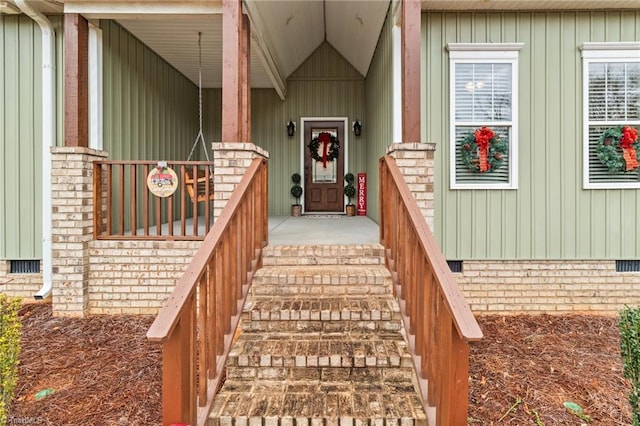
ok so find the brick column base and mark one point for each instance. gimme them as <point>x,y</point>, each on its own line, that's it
<point>415,161</point>
<point>72,227</point>
<point>231,161</point>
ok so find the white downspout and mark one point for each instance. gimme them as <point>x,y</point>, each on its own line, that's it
<point>48,139</point>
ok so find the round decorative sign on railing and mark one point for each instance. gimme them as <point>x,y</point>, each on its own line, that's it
<point>162,181</point>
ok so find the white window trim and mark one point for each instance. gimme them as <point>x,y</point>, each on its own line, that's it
<point>484,53</point>
<point>602,52</point>
<point>95,87</point>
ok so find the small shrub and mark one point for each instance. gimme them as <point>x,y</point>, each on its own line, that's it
<point>10,327</point>
<point>629,326</point>
<point>296,189</point>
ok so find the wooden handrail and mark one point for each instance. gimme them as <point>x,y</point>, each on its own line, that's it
<point>438,319</point>
<point>122,201</point>
<point>196,323</point>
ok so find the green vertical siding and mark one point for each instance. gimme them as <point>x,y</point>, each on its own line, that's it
<point>21,135</point>
<point>150,108</point>
<point>212,117</point>
<point>549,216</point>
<point>379,92</point>
<point>325,85</point>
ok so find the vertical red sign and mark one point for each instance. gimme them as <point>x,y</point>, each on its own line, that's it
<point>361,204</point>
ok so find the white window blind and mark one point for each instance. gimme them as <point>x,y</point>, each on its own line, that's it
<point>612,99</point>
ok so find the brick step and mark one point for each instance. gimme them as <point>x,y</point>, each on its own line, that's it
<point>322,396</point>
<point>325,351</point>
<point>308,327</point>
<point>365,254</point>
<point>330,281</point>
<point>373,308</point>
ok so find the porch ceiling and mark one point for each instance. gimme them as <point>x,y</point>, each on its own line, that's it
<point>284,32</point>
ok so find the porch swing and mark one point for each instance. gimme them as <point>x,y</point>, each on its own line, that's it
<point>197,183</point>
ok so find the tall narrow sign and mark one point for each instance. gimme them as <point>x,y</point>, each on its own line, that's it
<point>362,194</point>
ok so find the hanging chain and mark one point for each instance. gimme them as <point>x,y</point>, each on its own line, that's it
<point>200,137</point>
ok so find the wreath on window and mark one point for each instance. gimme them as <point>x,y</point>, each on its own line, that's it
<point>330,148</point>
<point>483,151</point>
<point>617,149</point>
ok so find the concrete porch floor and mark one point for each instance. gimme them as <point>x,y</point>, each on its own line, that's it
<point>322,229</point>
<point>304,230</point>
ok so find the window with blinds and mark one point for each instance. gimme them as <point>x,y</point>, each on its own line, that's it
<point>611,100</point>
<point>483,91</point>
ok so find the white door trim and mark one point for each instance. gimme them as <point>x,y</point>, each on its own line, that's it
<point>303,147</point>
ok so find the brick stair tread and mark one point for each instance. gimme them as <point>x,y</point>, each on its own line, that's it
<point>322,351</point>
<point>327,308</point>
<point>325,271</point>
<point>338,393</point>
<point>372,254</point>
<point>306,327</point>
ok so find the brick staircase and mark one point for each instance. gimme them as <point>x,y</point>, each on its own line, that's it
<point>321,344</point>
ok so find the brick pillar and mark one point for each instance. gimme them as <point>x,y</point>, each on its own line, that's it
<point>231,161</point>
<point>415,161</point>
<point>72,227</point>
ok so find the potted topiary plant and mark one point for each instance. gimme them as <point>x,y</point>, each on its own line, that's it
<point>296,191</point>
<point>350,192</point>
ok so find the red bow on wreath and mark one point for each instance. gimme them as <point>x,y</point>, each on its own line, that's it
<point>325,140</point>
<point>629,137</point>
<point>482,140</point>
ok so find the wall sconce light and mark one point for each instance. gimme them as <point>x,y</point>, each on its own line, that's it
<point>357,128</point>
<point>291,128</point>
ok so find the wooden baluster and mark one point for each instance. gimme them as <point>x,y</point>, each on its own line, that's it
<point>421,307</point>
<point>428,359</point>
<point>183,201</point>
<point>203,299</point>
<point>229,254</point>
<point>220,277</point>
<point>207,205</point>
<point>145,202</point>
<point>233,270</point>
<point>133,184</point>
<point>158,216</point>
<point>265,204</point>
<point>194,199</point>
<point>243,252</point>
<point>121,199</point>
<point>212,320</point>
<point>169,205</point>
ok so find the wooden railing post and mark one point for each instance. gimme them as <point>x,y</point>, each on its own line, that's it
<point>178,368</point>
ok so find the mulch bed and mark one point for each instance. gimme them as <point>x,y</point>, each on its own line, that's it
<point>536,363</point>
<point>101,368</point>
<point>104,372</point>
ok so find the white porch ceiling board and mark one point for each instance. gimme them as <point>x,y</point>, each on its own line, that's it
<point>292,30</point>
<point>470,5</point>
<point>353,28</point>
<point>175,38</point>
